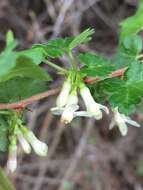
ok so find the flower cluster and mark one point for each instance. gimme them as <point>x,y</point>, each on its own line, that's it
<point>27,139</point>
<point>67,103</point>
<point>67,106</point>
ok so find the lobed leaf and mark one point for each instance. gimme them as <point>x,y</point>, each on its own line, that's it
<point>132,25</point>
<point>126,94</point>
<point>95,65</point>
<point>128,51</point>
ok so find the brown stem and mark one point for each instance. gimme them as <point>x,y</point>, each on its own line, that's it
<point>118,73</point>
<point>23,103</point>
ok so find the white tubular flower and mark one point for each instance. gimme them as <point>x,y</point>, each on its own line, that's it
<point>68,112</point>
<point>120,120</point>
<point>12,157</point>
<point>23,142</point>
<point>70,108</point>
<point>73,108</point>
<point>93,108</point>
<point>63,96</point>
<point>39,147</point>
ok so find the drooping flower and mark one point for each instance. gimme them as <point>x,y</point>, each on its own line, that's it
<point>39,147</point>
<point>93,108</point>
<point>67,113</point>
<point>120,120</point>
<point>70,108</point>
<point>63,96</point>
<point>74,108</point>
<point>12,155</point>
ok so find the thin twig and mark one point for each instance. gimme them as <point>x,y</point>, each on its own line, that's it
<point>60,18</point>
<point>23,103</point>
<point>118,73</point>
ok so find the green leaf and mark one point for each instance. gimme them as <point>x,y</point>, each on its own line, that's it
<point>55,48</point>
<point>50,51</point>
<point>61,43</point>
<point>3,134</point>
<point>9,37</point>
<point>8,56</point>
<point>132,45</point>
<point>11,43</point>
<point>26,68</point>
<point>3,143</point>
<point>7,61</point>
<point>36,54</point>
<point>126,94</point>
<point>134,24</point>
<point>121,60</point>
<point>84,37</point>
<point>53,51</point>
<point>20,88</point>
<point>95,65</point>
<point>128,51</point>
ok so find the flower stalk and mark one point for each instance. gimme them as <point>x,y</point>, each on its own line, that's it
<point>58,68</point>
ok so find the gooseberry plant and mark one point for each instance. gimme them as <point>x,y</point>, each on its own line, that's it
<point>116,81</point>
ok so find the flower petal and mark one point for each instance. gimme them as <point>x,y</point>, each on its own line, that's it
<point>12,163</point>
<point>83,114</point>
<point>57,110</point>
<point>23,142</point>
<point>92,107</point>
<point>123,128</point>
<point>12,158</point>
<point>63,96</point>
<point>131,122</point>
<point>40,148</point>
<point>112,124</point>
<point>104,108</point>
<point>68,113</point>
